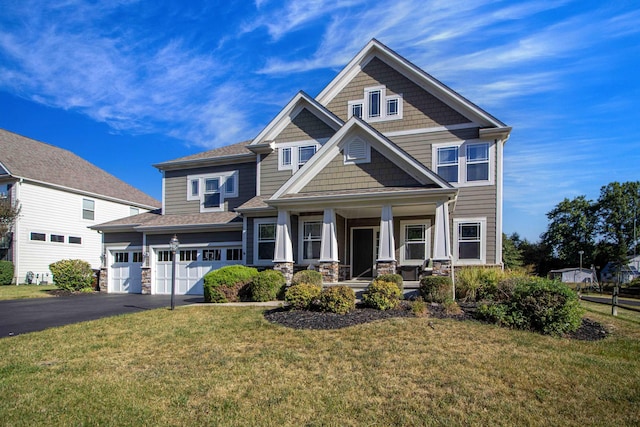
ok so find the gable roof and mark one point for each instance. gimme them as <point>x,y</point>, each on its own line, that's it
<point>233,152</point>
<point>290,111</point>
<point>375,49</point>
<point>36,161</point>
<point>377,141</point>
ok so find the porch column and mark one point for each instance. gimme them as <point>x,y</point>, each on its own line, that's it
<point>386,262</point>
<point>329,248</point>
<point>442,259</point>
<point>283,251</point>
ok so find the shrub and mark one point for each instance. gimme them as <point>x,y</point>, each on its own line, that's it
<point>311,277</point>
<point>267,285</point>
<point>535,304</point>
<point>228,284</point>
<point>6,272</point>
<point>436,288</point>
<point>302,295</point>
<point>72,274</point>
<point>451,307</point>
<point>419,307</point>
<point>393,278</point>
<point>476,283</point>
<point>382,295</point>
<point>337,299</point>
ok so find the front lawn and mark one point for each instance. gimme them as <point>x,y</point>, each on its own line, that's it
<point>228,366</point>
<point>25,291</point>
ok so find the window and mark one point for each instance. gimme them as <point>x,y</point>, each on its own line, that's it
<point>39,237</point>
<point>165,256</point>
<point>415,241</point>
<point>293,155</point>
<point>285,156</point>
<point>212,193</point>
<point>478,162</point>
<point>377,105</point>
<point>265,241</point>
<point>234,254</point>
<point>211,255</point>
<point>311,240</point>
<point>57,238</point>
<point>470,238</point>
<point>211,190</point>
<point>133,211</point>
<point>120,257</point>
<point>137,257</point>
<point>230,186</point>
<point>305,153</point>
<point>189,255</point>
<point>75,240</point>
<point>448,163</point>
<point>195,187</point>
<point>88,209</point>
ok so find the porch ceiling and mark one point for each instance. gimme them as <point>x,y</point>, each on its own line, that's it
<point>374,212</point>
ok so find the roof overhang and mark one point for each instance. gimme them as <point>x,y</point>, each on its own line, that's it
<point>198,163</point>
<point>188,227</point>
<point>500,133</point>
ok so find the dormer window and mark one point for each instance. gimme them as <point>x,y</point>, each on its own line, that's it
<point>211,190</point>
<point>293,155</point>
<point>376,105</point>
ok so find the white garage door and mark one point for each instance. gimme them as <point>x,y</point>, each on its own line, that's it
<point>126,273</point>
<point>191,266</point>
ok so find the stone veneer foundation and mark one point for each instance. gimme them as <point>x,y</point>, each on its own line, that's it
<point>330,272</point>
<point>441,268</point>
<point>103,279</point>
<point>146,280</point>
<point>388,267</point>
<point>286,268</point>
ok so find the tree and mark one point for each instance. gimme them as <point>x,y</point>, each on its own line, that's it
<point>617,209</point>
<point>571,229</point>
<point>8,214</point>
<point>511,255</point>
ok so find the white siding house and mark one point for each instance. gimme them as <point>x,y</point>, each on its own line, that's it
<point>58,201</point>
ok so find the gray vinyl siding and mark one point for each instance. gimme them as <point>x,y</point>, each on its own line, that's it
<point>123,238</point>
<point>175,187</point>
<point>421,109</point>
<point>379,173</point>
<point>270,177</point>
<point>197,238</point>
<point>249,255</point>
<point>477,202</point>
<point>305,126</point>
<point>419,145</point>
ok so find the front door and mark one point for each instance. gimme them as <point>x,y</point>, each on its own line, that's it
<point>363,255</point>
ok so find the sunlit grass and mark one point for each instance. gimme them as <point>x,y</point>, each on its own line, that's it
<point>25,291</point>
<point>228,366</point>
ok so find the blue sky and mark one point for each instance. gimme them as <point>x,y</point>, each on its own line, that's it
<point>128,83</point>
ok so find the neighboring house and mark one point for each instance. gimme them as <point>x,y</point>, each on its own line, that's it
<point>387,167</point>
<point>573,275</point>
<point>60,195</point>
<point>627,273</point>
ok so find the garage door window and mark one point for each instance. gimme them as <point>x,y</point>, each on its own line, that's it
<point>165,256</point>
<point>234,254</point>
<point>121,256</point>
<point>211,255</point>
<point>191,255</point>
<point>137,257</point>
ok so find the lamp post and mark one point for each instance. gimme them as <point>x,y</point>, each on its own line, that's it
<point>580,253</point>
<point>174,244</point>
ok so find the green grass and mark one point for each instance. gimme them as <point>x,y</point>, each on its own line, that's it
<point>228,366</point>
<point>25,291</point>
<point>605,309</point>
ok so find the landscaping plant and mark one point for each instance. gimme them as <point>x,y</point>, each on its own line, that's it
<point>267,285</point>
<point>436,288</point>
<point>6,272</point>
<point>302,295</point>
<point>337,299</point>
<point>228,284</point>
<point>72,274</point>
<point>382,295</point>
<point>311,277</point>
<point>393,278</point>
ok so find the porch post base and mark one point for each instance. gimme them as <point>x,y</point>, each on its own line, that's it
<point>441,267</point>
<point>103,279</point>
<point>286,268</point>
<point>330,271</point>
<point>386,267</point>
<point>146,280</point>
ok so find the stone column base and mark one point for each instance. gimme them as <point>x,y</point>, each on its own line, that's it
<point>146,280</point>
<point>330,271</point>
<point>286,268</point>
<point>386,267</point>
<point>103,279</point>
<point>441,268</point>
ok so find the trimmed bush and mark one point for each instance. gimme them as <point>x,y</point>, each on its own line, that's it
<point>6,272</point>
<point>337,299</point>
<point>393,278</point>
<point>72,274</point>
<point>228,284</point>
<point>436,288</point>
<point>302,295</point>
<point>267,285</point>
<point>382,295</point>
<point>534,304</point>
<point>311,277</point>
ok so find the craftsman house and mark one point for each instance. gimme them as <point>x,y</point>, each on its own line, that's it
<point>60,195</point>
<point>384,169</point>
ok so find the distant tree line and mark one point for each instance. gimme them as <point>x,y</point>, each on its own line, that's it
<point>605,229</point>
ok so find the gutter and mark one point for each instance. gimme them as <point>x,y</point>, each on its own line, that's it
<point>210,161</point>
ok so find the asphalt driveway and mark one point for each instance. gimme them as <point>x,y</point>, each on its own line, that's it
<point>30,315</point>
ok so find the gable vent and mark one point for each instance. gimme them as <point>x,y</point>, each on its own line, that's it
<point>357,151</point>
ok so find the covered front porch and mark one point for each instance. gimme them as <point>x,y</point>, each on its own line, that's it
<point>353,238</point>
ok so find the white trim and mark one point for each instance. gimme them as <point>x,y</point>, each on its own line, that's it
<point>462,161</point>
<point>384,99</point>
<point>295,146</point>
<point>483,241</point>
<point>356,160</point>
<point>431,130</point>
<point>244,239</point>
<point>222,178</point>
<point>301,221</point>
<point>499,200</point>
<point>427,232</point>
<point>256,222</point>
<point>258,172</point>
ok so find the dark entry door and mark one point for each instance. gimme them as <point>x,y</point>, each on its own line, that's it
<point>362,253</point>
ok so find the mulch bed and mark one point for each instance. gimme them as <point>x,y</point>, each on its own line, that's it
<point>304,319</point>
